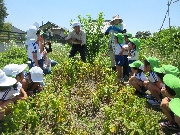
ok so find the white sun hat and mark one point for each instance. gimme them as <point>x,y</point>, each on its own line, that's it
<point>31,33</point>
<point>36,74</point>
<point>5,80</point>
<point>36,24</point>
<point>14,69</point>
<point>76,24</point>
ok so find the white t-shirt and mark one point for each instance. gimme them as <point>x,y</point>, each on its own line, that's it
<point>141,77</point>
<point>34,48</point>
<point>152,77</point>
<point>8,94</point>
<point>134,55</point>
<point>118,49</point>
<point>126,47</point>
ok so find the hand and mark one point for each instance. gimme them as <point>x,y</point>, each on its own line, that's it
<point>165,103</point>
<point>23,98</point>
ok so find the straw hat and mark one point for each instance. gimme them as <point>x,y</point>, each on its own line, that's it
<point>116,17</point>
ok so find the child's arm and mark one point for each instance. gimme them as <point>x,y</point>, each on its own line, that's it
<point>23,94</point>
<point>123,49</point>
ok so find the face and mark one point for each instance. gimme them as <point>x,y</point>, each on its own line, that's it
<point>117,21</point>
<point>20,76</point>
<point>77,28</point>
<point>134,71</point>
<point>126,39</point>
<point>147,68</point>
<point>130,46</point>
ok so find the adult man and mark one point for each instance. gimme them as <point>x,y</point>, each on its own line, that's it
<point>116,27</point>
<point>78,39</point>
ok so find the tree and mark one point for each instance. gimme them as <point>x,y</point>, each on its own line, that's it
<point>143,34</point>
<point>3,13</point>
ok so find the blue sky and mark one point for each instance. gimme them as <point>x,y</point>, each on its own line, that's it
<point>138,15</point>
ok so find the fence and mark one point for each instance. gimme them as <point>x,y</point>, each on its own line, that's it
<point>6,36</point>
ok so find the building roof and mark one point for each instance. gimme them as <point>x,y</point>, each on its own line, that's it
<point>14,29</point>
<point>54,26</point>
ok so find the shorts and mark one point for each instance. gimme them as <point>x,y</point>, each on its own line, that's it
<point>32,64</point>
<point>119,60</point>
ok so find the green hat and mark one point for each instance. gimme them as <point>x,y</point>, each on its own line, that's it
<point>129,35</point>
<point>167,69</point>
<point>174,105</point>
<point>172,82</point>
<point>120,37</point>
<point>136,64</point>
<point>136,42</point>
<point>154,62</point>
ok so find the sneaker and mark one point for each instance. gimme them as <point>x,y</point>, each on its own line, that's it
<point>122,80</point>
<point>154,102</point>
<point>150,96</point>
<point>169,125</point>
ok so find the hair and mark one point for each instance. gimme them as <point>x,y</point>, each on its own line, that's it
<point>19,74</point>
<point>146,63</point>
<point>139,70</point>
<point>160,75</point>
<point>134,46</point>
<point>170,91</point>
<point>4,88</point>
<point>38,32</point>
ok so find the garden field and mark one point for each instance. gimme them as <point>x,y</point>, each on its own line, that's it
<point>85,98</point>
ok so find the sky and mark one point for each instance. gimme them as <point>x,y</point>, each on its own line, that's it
<point>137,15</point>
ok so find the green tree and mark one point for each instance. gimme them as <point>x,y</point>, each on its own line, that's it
<point>3,13</point>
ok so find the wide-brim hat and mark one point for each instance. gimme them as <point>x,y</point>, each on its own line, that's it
<point>127,34</point>
<point>136,42</point>
<point>14,69</point>
<point>154,62</point>
<point>120,37</point>
<point>174,105</point>
<point>5,80</point>
<point>172,82</point>
<point>76,24</point>
<point>136,64</point>
<point>31,33</point>
<point>36,74</point>
<point>116,17</point>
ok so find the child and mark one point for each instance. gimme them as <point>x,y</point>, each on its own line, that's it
<point>31,83</point>
<point>119,58</point>
<point>174,105</point>
<point>138,78</point>
<point>172,90</point>
<point>116,26</point>
<point>152,85</point>
<point>125,54</point>
<point>165,69</point>
<point>6,93</point>
<point>46,64</point>
<point>16,71</point>
<point>132,51</point>
<point>34,54</point>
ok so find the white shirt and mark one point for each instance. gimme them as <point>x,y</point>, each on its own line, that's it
<point>81,36</point>
<point>8,94</point>
<point>34,48</point>
<point>134,55</point>
<point>152,77</point>
<point>141,77</point>
<point>126,47</point>
<point>118,49</point>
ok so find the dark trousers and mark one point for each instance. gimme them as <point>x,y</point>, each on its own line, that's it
<point>125,66</point>
<point>81,49</point>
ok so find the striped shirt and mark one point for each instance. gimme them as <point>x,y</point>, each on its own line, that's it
<point>152,77</point>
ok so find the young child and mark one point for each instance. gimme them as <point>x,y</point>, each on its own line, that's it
<point>119,58</point>
<point>16,71</point>
<point>116,27</point>
<point>31,83</point>
<point>174,106</point>
<point>6,93</point>
<point>165,69</point>
<point>152,85</point>
<point>34,54</point>
<point>138,78</point>
<point>125,54</point>
<point>172,90</point>
<point>46,64</point>
<point>133,51</point>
